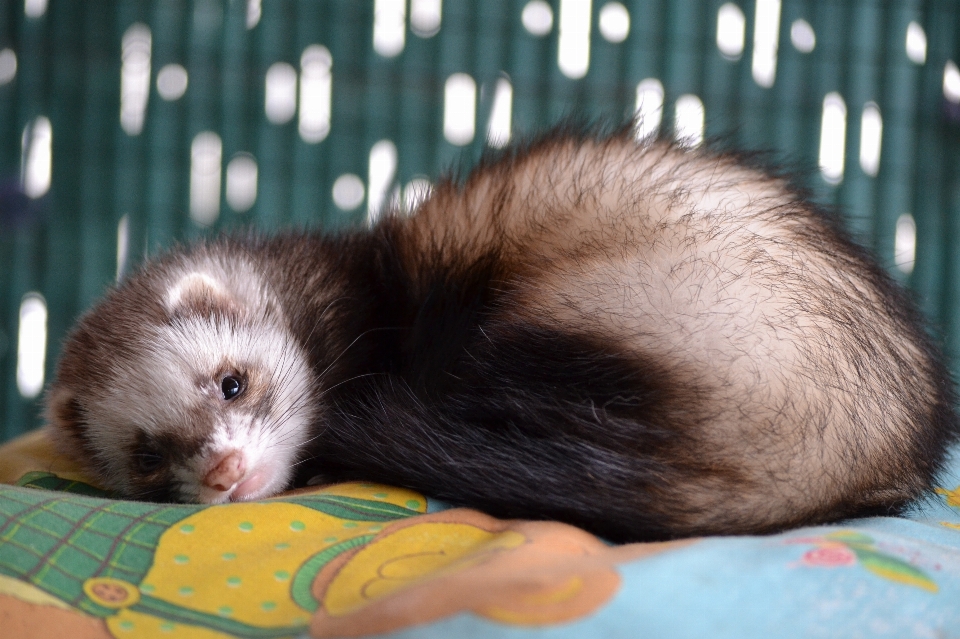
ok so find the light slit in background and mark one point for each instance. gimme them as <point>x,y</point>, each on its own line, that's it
<point>766,38</point>
<point>833,133</point>
<point>36,157</point>
<point>123,245</point>
<point>951,82</point>
<point>425,16</point>
<point>241,182</point>
<point>802,36</point>
<point>34,8</point>
<point>614,22</point>
<point>280,94</point>
<point>205,168</point>
<point>649,108</point>
<point>348,192</point>
<point>134,77</point>
<point>731,31</point>
<point>689,118</point>
<point>316,87</point>
<point>537,18</point>
<point>381,172</point>
<point>8,66</point>
<point>905,243</point>
<point>31,345</point>
<point>459,109</point>
<point>172,81</point>
<point>254,13</point>
<point>916,43</point>
<point>389,29</point>
<point>573,44</point>
<point>871,135</point>
<point>501,115</point>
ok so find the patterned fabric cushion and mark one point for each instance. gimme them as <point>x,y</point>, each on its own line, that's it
<point>352,560</point>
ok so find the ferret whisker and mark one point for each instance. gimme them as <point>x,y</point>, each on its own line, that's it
<point>323,373</point>
<point>350,379</point>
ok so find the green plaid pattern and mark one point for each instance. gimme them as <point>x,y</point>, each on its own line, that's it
<point>56,541</point>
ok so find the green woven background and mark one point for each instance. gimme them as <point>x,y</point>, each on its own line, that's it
<point>64,244</point>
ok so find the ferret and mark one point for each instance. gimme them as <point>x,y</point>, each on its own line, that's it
<point>642,339</point>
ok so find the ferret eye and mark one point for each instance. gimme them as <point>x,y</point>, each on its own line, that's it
<point>149,462</point>
<point>230,386</point>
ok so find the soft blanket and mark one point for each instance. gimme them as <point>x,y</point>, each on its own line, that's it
<point>358,560</point>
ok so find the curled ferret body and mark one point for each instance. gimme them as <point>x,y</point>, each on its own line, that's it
<point>641,339</point>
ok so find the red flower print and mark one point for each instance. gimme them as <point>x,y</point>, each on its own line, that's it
<point>829,555</point>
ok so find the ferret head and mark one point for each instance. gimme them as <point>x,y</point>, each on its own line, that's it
<point>185,384</point>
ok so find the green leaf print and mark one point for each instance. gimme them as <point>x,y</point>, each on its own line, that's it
<point>894,569</point>
<point>849,537</point>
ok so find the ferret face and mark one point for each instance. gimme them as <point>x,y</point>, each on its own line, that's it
<point>211,404</point>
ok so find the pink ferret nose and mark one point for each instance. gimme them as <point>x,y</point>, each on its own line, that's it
<point>227,472</point>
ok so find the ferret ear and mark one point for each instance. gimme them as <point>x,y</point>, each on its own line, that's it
<point>65,415</point>
<point>199,293</point>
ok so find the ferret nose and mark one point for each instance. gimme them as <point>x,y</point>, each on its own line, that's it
<point>226,472</point>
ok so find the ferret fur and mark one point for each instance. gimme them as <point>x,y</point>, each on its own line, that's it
<point>640,339</point>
